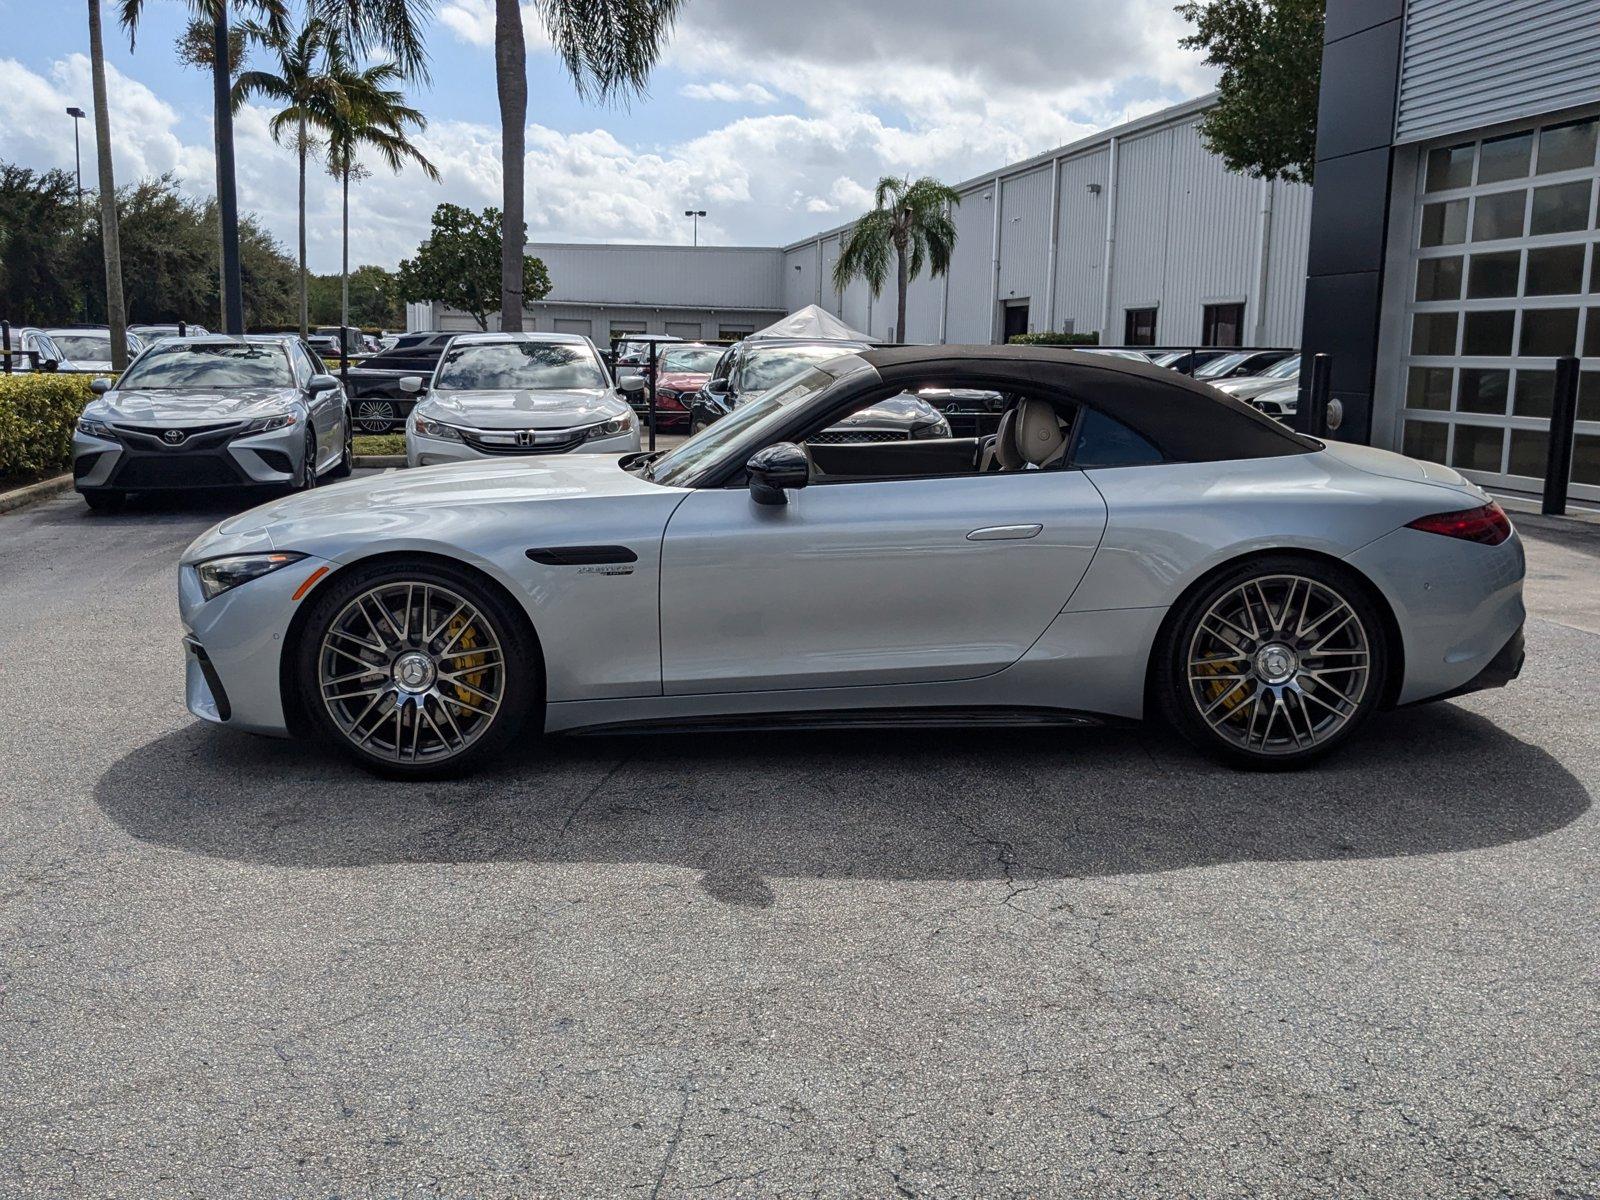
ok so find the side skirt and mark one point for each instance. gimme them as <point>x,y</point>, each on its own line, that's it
<point>869,718</point>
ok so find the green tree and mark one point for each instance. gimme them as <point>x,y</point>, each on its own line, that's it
<point>460,264</point>
<point>375,301</point>
<point>370,113</point>
<point>909,222</point>
<point>609,48</point>
<point>393,26</point>
<point>309,100</point>
<point>1265,120</point>
<point>41,236</point>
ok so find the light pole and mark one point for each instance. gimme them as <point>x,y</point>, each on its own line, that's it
<point>77,114</point>
<point>696,213</point>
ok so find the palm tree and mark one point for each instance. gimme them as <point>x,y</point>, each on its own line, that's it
<point>310,98</point>
<point>391,25</point>
<point>369,112</point>
<point>913,221</point>
<point>116,312</point>
<point>609,48</point>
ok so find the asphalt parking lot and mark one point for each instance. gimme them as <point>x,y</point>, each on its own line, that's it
<point>996,964</point>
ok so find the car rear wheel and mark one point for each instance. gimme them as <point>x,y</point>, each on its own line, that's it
<point>416,671</point>
<point>347,459</point>
<point>307,479</point>
<point>1274,663</point>
<point>376,416</point>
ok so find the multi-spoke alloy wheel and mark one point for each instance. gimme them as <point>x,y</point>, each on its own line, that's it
<point>1275,666</point>
<point>375,416</point>
<point>414,671</point>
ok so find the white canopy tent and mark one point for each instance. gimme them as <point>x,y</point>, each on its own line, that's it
<point>812,323</point>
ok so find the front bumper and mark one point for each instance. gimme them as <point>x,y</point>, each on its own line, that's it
<point>234,646</point>
<point>422,451</point>
<point>140,462</point>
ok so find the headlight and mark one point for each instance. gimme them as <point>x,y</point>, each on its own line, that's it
<point>609,428</point>
<point>435,429</point>
<point>268,424</point>
<point>97,429</point>
<point>220,574</point>
<point>933,429</point>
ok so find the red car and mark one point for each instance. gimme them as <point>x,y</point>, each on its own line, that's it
<point>681,371</point>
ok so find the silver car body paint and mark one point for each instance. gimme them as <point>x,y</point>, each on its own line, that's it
<point>870,594</point>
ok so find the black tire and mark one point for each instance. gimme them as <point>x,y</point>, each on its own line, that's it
<point>347,460</point>
<point>308,466</point>
<point>1247,687</point>
<point>104,501</point>
<point>521,694</point>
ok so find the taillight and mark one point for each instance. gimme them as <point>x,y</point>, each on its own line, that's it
<point>1488,525</point>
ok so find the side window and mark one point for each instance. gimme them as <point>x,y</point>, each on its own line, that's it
<point>1104,442</point>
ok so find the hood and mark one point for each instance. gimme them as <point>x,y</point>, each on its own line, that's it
<point>898,412</point>
<point>1251,386</point>
<point>1389,465</point>
<point>524,409</point>
<point>157,407</point>
<point>683,381</point>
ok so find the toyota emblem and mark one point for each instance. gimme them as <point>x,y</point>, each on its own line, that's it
<point>173,437</point>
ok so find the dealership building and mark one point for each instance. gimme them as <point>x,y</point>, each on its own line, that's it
<point>1448,256</point>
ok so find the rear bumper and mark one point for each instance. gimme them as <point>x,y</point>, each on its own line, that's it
<point>1501,669</point>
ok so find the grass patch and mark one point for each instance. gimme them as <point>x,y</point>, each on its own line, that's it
<point>380,443</point>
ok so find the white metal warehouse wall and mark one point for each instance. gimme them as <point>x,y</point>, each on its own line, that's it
<point>1184,232</point>
<point>1468,64</point>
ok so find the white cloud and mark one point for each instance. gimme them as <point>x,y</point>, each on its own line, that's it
<point>473,22</point>
<point>728,93</point>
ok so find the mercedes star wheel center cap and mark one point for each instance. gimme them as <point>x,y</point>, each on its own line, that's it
<point>1276,663</point>
<point>414,672</point>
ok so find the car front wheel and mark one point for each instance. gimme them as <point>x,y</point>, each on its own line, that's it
<point>1274,663</point>
<point>416,671</point>
<point>347,459</point>
<point>376,416</point>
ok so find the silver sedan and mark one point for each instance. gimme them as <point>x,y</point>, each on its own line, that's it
<point>208,412</point>
<point>1129,544</point>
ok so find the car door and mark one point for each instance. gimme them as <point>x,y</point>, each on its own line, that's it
<point>325,407</point>
<point>874,582</point>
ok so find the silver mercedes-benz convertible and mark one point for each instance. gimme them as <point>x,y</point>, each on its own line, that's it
<point>1129,544</point>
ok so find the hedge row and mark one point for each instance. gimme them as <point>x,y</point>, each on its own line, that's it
<point>37,415</point>
<point>1048,338</point>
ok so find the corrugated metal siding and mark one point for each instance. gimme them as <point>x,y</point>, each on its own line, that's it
<point>1213,235</point>
<point>1082,240</point>
<point>830,256</point>
<point>1466,64</point>
<point>800,277</point>
<point>924,300</point>
<point>1025,242</point>
<point>1286,263</point>
<point>853,306</point>
<point>972,268</point>
<point>1139,268</point>
<point>703,276</point>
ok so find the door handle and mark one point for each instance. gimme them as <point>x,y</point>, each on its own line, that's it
<point>1004,533</point>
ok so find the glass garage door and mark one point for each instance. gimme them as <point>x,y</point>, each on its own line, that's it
<point>1505,280</point>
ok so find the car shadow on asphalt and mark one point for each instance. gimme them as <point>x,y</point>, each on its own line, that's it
<point>743,809</point>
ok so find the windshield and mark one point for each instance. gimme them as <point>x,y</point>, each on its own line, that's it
<point>1286,368</point>
<point>180,365</point>
<point>697,361</point>
<point>84,347</point>
<point>682,462</point>
<point>1221,366</point>
<point>764,369</point>
<point>518,366</point>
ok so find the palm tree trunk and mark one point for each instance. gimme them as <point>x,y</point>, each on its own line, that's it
<point>511,83</point>
<point>227,189</point>
<point>344,268</point>
<point>902,282</point>
<point>305,302</point>
<point>110,240</point>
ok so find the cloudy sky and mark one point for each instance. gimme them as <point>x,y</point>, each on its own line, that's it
<point>777,117</point>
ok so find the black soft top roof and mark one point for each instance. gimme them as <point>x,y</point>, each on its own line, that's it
<point>1185,420</point>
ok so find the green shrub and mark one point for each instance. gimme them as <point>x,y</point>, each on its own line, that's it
<point>1050,338</point>
<point>37,415</point>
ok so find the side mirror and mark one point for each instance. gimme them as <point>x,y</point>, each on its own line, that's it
<point>411,384</point>
<point>49,364</point>
<point>632,385</point>
<point>322,383</point>
<point>100,386</point>
<point>717,387</point>
<point>777,467</point>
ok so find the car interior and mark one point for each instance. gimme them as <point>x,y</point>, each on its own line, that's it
<point>1038,431</point>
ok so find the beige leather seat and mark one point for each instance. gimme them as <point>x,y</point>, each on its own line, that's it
<point>1030,435</point>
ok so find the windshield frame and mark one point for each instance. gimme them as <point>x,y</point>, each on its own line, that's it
<point>585,350</point>
<point>158,351</point>
<point>707,453</point>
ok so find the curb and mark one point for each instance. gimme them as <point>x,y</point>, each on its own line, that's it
<point>43,490</point>
<point>378,460</point>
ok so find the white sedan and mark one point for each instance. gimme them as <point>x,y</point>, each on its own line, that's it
<point>518,394</point>
<point>1129,544</point>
